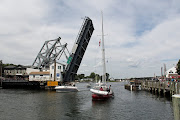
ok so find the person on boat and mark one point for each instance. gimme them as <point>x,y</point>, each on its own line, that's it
<point>101,89</point>
<point>108,89</point>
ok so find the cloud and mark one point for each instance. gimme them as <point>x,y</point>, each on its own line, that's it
<point>141,35</point>
<point>98,64</point>
<point>84,65</point>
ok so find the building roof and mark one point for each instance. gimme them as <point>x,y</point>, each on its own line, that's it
<point>57,63</point>
<point>39,73</point>
<point>10,66</point>
<point>15,67</point>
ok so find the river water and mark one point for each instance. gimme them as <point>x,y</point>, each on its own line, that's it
<point>20,104</point>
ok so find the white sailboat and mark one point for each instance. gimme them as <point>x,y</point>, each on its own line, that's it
<point>101,91</point>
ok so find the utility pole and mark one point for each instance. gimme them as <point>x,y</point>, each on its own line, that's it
<point>55,70</point>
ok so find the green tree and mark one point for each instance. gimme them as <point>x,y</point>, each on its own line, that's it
<point>81,76</point>
<point>97,77</point>
<point>8,64</point>
<point>92,75</point>
<point>178,67</point>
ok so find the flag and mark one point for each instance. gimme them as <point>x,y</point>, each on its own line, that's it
<point>100,42</point>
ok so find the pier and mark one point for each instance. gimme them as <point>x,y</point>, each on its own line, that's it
<point>168,88</point>
<point>12,83</point>
<point>161,87</point>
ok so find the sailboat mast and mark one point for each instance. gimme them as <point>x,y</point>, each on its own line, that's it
<point>103,54</point>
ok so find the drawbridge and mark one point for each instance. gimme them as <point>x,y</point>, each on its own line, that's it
<point>78,50</point>
<point>53,49</point>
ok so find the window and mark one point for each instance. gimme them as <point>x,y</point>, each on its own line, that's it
<point>33,76</point>
<point>170,71</point>
<point>51,75</point>
<point>59,67</point>
<point>52,67</point>
<point>41,75</point>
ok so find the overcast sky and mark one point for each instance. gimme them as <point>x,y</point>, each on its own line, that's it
<point>141,35</point>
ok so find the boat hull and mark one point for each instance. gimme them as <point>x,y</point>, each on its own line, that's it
<point>66,89</point>
<point>101,97</point>
<point>98,92</point>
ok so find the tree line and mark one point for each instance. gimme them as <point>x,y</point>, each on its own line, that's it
<point>92,75</point>
<point>178,67</point>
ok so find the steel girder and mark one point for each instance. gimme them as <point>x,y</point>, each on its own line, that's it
<point>48,53</point>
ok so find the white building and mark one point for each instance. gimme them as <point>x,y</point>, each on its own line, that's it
<point>39,76</point>
<point>47,75</point>
<point>172,72</point>
<point>59,70</point>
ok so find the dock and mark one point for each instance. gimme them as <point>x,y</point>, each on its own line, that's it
<point>161,87</point>
<point>13,83</point>
<point>158,87</point>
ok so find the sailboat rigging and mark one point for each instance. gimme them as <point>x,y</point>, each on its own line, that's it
<point>101,91</point>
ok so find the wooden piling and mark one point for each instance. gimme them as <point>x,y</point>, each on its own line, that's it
<point>173,88</point>
<point>170,87</point>
<point>155,87</point>
<point>159,88</point>
<point>164,90</point>
<point>178,87</point>
<point>176,106</point>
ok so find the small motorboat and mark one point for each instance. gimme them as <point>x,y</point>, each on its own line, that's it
<point>66,88</point>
